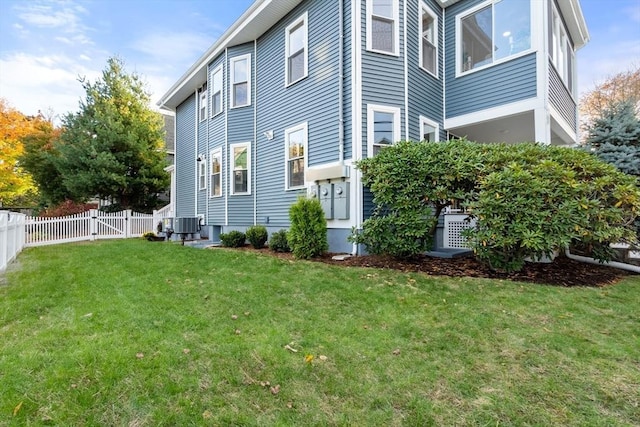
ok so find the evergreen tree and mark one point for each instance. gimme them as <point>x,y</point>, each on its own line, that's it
<point>615,136</point>
<point>112,147</point>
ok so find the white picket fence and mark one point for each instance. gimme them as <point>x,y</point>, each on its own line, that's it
<point>91,225</point>
<point>12,235</point>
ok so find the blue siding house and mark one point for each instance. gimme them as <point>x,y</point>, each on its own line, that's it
<point>296,91</point>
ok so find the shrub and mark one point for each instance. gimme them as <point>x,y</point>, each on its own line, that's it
<point>308,233</point>
<point>233,239</point>
<point>68,207</point>
<point>257,236</point>
<point>279,241</point>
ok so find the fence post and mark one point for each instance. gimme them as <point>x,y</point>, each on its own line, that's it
<point>127,223</point>
<point>4,231</point>
<point>93,224</point>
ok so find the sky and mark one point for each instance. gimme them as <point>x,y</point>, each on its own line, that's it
<point>47,45</point>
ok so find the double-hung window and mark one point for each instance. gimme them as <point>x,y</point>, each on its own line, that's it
<point>203,105</point>
<point>295,156</point>
<point>240,168</point>
<point>382,26</point>
<point>428,40</point>
<point>202,174</point>
<point>240,87</point>
<point>429,130</point>
<point>216,92</point>
<point>296,45</point>
<point>383,127</point>
<point>215,172</point>
<point>560,49</point>
<point>495,31</point>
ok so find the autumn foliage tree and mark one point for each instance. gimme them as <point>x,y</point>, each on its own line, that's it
<point>112,147</point>
<point>17,186</point>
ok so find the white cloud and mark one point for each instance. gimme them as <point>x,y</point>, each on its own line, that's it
<point>64,16</point>
<point>33,83</point>
<point>173,47</point>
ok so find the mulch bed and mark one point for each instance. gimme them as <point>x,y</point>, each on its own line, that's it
<point>561,272</point>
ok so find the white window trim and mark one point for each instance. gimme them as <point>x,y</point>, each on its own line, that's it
<point>559,54</point>
<point>458,41</point>
<point>202,106</point>
<point>218,69</point>
<point>396,29</point>
<point>305,128</point>
<point>370,124</point>
<point>213,154</point>
<point>305,30</point>
<point>232,168</point>
<point>232,62</point>
<point>426,121</point>
<point>425,8</point>
<point>202,173</point>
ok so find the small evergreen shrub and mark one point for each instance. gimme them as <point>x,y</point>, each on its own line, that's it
<point>233,239</point>
<point>279,241</point>
<point>257,235</point>
<point>308,233</point>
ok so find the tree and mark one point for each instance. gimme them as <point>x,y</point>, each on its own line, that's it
<point>112,147</point>
<point>624,86</point>
<point>614,136</point>
<point>16,184</point>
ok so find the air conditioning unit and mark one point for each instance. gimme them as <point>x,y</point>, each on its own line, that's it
<point>186,225</point>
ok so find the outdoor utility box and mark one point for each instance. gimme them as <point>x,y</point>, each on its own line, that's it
<point>341,200</point>
<point>186,225</point>
<point>326,199</point>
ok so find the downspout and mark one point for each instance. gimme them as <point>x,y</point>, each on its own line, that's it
<point>195,191</point>
<point>406,79</point>
<point>207,171</point>
<point>341,83</point>
<point>255,132</point>
<point>444,73</point>
<point>615,264</point>
<point>225,155</point>
<point>356,110</point>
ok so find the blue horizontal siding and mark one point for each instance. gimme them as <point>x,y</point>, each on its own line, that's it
<point>561,99</point>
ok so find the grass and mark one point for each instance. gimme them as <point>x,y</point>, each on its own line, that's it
<point>137,333</point>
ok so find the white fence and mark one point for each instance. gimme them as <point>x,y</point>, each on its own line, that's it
<point>91,225</point>
<point>12,226</point>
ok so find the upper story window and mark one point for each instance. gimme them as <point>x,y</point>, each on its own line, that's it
<point>296,45</point>
<point>383,26</point>
<point>428,40</point>
<point>560,49</point>
<point>203,105</point>
<point>383,127</point>
<point>429,130</point>
<point>295,156</point>
<point>492,32</point>
<point>215,170</point>
<point>240,168</point>
<point>202,174</point>
<point>216,92</point>
<point>240,81</point>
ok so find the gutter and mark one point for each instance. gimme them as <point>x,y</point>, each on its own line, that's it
<point>614,264</point>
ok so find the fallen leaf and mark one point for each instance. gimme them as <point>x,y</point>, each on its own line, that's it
<point>308,358</point>
<point>289,405</point>
<point>291,349</point>
<point>207,414</point>
<point>88,315</point>
<point>246,313</point>
<point>17,409</point>
<point>237,331</point>
<point>396,352</point>
<point>275,389</point>
<point>322,357</point>
<point>186,351</point>
<point>234,317</point>
<point>265,383</point>
<point>139,355</point>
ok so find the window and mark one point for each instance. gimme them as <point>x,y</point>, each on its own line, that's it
<point>296,42</point>
<point>429,130</point>
<point>216,89</point>
<point>240,174</point>
<point>429,40</point>
<point>383,127</point>
<point>202,173</point>
<point>560,49</point>
<point>203,105</point>
<point>382,26</point>
<point>240,81</point>
<point>492,33</point>
<point>295,156</point>
<point>215,170</point>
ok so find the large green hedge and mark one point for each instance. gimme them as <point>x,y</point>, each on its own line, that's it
<point>529,200</point>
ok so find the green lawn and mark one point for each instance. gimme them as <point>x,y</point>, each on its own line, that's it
<point>136,333</point>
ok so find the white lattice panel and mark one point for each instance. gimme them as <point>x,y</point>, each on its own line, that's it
<point>453,227</point>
